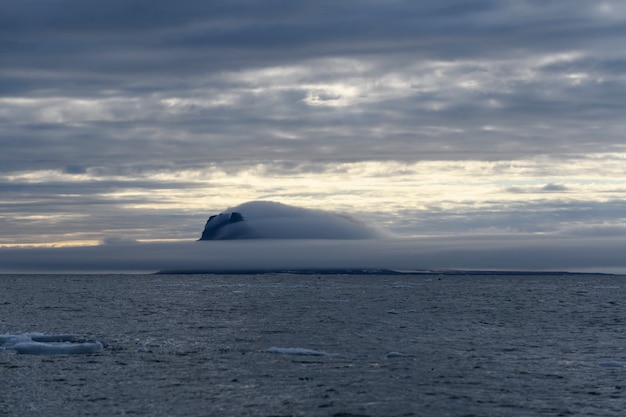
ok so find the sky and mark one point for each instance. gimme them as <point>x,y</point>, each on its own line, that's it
<point>135,121</point>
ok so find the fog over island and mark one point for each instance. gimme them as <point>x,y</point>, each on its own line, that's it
<point>271,220</point>
<point>274,237</point>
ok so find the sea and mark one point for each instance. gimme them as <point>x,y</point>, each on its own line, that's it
<point>288,344</point>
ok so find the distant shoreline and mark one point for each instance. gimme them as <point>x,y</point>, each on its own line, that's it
<point>369,272</point>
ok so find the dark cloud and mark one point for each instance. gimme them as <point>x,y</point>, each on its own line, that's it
<point>548,188</point>
<point>554,188</point>
<point>113,42</point>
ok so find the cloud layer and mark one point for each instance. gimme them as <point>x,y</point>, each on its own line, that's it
<point>333,82</point>
<point>121,120</point>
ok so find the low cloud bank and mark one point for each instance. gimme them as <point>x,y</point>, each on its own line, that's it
<point>462,252</point>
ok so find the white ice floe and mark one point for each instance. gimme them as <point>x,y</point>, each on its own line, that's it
<point>41,344</point>
<point>296,351</point>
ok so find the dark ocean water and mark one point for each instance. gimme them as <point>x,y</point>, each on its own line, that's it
<point>412,345</point>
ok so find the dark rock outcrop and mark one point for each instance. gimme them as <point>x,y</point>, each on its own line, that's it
<point>214,227</point>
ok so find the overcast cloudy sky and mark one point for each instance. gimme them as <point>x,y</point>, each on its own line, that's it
<point>139,119</point>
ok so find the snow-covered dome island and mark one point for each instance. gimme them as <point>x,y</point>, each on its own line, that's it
<point>271,220</point>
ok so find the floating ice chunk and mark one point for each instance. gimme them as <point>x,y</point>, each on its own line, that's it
<point>397,355</point>
<point>38,337</point>
<point>55,348</point>
<point>613,364</point>
<point>8,340</point>
<point>296,351</point>
<point>41,344</point>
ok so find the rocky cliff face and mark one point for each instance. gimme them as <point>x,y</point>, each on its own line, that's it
<point>215,228</point>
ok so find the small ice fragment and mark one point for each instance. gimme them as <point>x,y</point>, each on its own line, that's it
<point>392,311</point>
<point>296,351</point>
<point>397,355</point>
<point>613,364</point>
